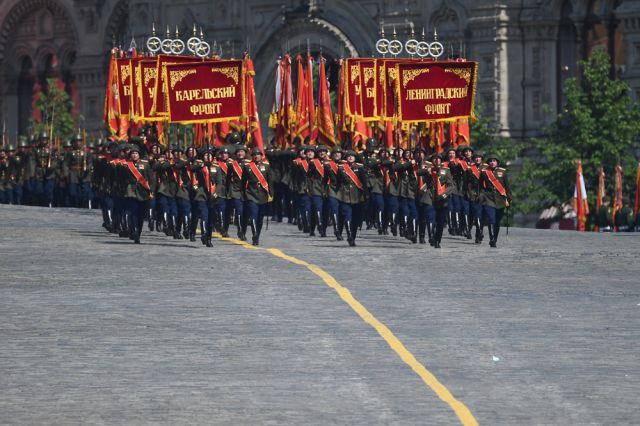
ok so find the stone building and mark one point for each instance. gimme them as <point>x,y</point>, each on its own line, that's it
<point>526,48</point>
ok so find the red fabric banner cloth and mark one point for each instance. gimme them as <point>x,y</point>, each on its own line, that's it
<point>146,85</point>
<point>435,91</point>
<point>209,91</point>
<point>159,107</point>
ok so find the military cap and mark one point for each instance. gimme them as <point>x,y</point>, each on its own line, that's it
<point>23,142</point>
<point>371,143</point>
<point>11,147</point>
<point>67,144</point>
<point>490,157</point>
<point>240,148</point>
<point>336,149</point>
<point>233,138</point>
<point>419,149</point>
<point>322,148</point>
<point>91,144</point>
<point>256,151</point>
<point>134,147</point>
<point>44,135</point>
<point>349,152</point>
<point>224,149</point>
<point>434,156</point>
<point>77,137</point>
<point>478,154</point>
<point>310,148</point>
<point>463,148</point>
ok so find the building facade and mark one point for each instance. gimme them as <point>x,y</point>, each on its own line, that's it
<point>526,48</point>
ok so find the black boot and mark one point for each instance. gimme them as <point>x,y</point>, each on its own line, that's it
<point>492,241</point>
<point>422,230</point>
<point>438,236</point>
<point>430,229</point>
<point>394,224</point>
<point>186,229</point>
<point>478,231</point>
<point>151,221</point>
<point>379,223</point>
<point>496,232</point>
<point>339,226</point>
<point>348,226</point>
<point>450,222</point>
<point>191,232</point>
<point>414,231</point>
<point>321,227</point>
<point>464,226</point>
<point>254,232</point>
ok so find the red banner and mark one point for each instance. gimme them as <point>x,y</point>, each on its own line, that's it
<point>209,91</point>
<point>432,91</point>
<point>123,67</point>
<point>147,75</point>
<point>159,107</point>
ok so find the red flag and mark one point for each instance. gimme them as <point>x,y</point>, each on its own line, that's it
<point>580,205</point>
<point>311,110</point>
<point>463,131</point>
<point>453,134</point>
<point>252,125</point>
<point>617,200</point>
<point>222,130</point>
<point>441,138</point>
<point>324,116</point>
<point>389,134</point>
<point>111,110</point>
<point>340,119</point>
<point>286,101</point>
<point>301,125</point>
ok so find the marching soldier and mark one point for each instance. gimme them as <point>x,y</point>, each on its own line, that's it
<point>442,186</point>
<point>6,184</point>
<point>220,172</point>
<point>74,166</point>
<point>183,198</point>
<point>256,184</point>
<point>496,196</point>
<point>317,191</point>
<point>378,178</point>
<point>137,191</point>
<point>473,192</point>
<point>203,190</point>
<point>236,168</point>
<point>352,184</point>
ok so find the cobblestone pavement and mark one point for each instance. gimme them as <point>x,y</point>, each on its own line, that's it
<point>544,330</point>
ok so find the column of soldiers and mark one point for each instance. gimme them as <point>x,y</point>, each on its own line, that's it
<point>38,174</point>
<point>404,192</point>
<point>180,191</point>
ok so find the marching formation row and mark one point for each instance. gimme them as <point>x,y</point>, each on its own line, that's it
<point>178,191</point>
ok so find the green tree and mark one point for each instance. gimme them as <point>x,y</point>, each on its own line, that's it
<point>599,125</point>
<point>55,104</point>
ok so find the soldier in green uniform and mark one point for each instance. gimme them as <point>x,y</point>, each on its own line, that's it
<point>256,184</point>
<point>352,187</point>
<point>236,168</point>
<point>6,184</point>
<point>442,186</point>
<point>137,191</point>
<point>624,217</point>
<point>496,196</point>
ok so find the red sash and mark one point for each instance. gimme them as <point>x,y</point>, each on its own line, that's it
<point>440,188</point>
<point>464,164</point>
<point>319,167</point>
<point>334,167</point>
<point>304,165</point>
<point>207,180</point>
<point>496,184</point>
<point>224,167</point>
<point>138,176</point>
<point>192,178</point>
<point>177,177</point>
<point>385,174</point>
<point>237,168</point>
<point>475,171</point>
<point>256,171</point>
<point>352,175</point>
<point>418,177</point>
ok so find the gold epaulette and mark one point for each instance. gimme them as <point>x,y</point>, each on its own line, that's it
<point>359,164</point>
<point>501,169</point>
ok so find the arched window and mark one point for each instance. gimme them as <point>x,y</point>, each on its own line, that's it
<point>25,94</point>
<point>567,51</point>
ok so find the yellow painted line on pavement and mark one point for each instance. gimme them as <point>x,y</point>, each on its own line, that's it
<point>461,410</point>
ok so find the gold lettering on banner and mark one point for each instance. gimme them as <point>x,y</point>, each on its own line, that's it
<point>370,92</point>
<point>463,73</point>
<point>177,76</point>
<point>409,75</point>
<point>355,72</point>
<point>230,72</point>
<point>125,73</point>
<point>127,90</point>
<point>369,73</point>
<point>437,109</point>
<point>206,93</point>
<point>382,75</point>
<point>392,73</point>
<point>149,73</point>
<point>437,93</point>
<point>206,109</point>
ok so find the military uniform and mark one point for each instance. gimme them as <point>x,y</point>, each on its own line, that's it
<point>441,187</point>
<point>496,197</point>
<point>137,192</point>
<point>352,186</point>
<point>256,183</point>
